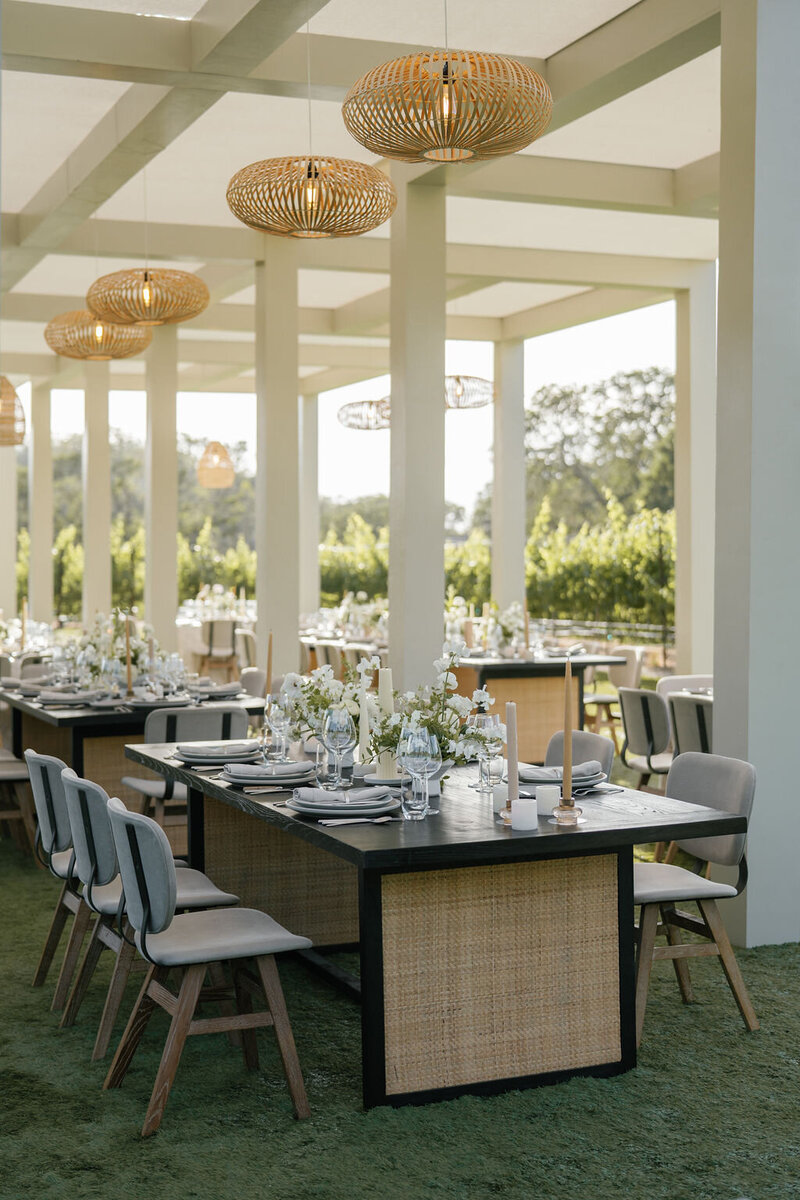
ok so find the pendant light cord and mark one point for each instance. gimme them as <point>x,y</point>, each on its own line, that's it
<point>146,222</point>
<point>308,78</point>
<point>446,35</point>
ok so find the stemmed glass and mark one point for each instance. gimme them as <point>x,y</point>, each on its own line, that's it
<point>279,722</point>
<point>495,740</point>
<point>338,736</point>
<point>483,723</point>
<point>418,753</point>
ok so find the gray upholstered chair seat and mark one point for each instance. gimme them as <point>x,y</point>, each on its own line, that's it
<point>659,763</point>
<point>156,788</point>
<point>662,883</point>
<point>195,890</point>
<point>59,863</point>
<point>219,934</point>
<point>597,698</point>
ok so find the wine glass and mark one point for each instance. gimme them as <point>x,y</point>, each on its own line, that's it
<point>434,764</point>
<point>338,736</point>
<point>279,722</point>
<point>482,723</point>
<point>419,754</point>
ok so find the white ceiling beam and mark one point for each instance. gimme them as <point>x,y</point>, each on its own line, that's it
<point>578,310</point>
<point>640,45</point>
<point>697,187</point>
<point>144,121</point>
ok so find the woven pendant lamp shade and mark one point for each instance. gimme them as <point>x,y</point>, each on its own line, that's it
<point>12,415</point>
<point>215,468</point>
<point>311,197</point>
<point>366,414</point>
<point>467,391</point>
<point>148,296</point>
<point>79,334</point>
<point>447,106</point>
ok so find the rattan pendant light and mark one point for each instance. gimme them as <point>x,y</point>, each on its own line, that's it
<point>147,296</point>
<point>467,391</point>
<point>12,415</point>
<point>80,334</point>
<point>448,106</point>
<point>311,195</point>
<point>215,468</point>
<point>366,414</point>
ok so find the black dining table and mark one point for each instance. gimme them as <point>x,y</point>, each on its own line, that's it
<point>490,958</point>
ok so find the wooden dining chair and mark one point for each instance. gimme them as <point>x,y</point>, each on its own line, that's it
<point>192,944</point>
<point>54,845</point>
<point>586,746</point>
<point>218,651</point>
<point>646,728</point>
<point>627,674</point>
<point>216,724</point>
<point>96,866</point>
<point>16,802</point>
<point>727,784</point>
<point>692,722</point>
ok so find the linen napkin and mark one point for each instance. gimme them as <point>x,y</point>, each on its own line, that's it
<point>309,795</point>
<point>260,771</point>
<point>231,749</point>
<point>531,774</point>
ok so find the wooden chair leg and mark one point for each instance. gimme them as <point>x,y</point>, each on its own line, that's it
<point>176,1039</point>
<point>729,964</point>
<point>116,991</point>
<point>78,932</point>
<point>672,850</point>
<point>53,938</point>
<point>27,813</point>
<point>134,1030</point>
<point>675,938</point>
<point>216,974</point>
<point>84,976</point>
<point>648,923</point>
<point>270,981</point>
<point>248,1036</point>
<point>644,779</point>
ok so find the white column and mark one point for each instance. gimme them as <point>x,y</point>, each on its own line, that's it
<point>416,503</point>
<point>695,454</point>
<point>8,530</point>
<point>161,487</point>
<point>277,473</point>
<point>40,507</point>
<point>757,581</point>
<point>309,504</point>
<point>508,484</point>
<point>96,493</point>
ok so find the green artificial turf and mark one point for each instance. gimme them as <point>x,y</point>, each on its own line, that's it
<point>711,1112</point>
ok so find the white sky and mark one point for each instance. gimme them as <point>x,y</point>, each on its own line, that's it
<point>354,463</point>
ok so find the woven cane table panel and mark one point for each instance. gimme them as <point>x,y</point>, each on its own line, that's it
<point>311,892</point>
<point>500,971</point>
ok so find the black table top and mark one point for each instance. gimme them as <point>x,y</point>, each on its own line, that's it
<point>71,716</point>
<point>465,831</point>
<point>531,666</point>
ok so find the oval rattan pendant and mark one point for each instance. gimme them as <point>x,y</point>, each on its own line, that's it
<point>148,296</point>
<point>12,415</point>
<point>80,334</point>
<point>215,468</point>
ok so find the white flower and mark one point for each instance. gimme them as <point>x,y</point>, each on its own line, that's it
<point>481,696</point>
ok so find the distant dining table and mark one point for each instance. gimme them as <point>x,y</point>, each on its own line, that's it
<point>536,684</point>
<point>490,959</point>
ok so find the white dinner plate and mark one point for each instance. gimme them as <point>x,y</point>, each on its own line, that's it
<point>328,812</point>
<point>160,702</point>
<point>395,781</point>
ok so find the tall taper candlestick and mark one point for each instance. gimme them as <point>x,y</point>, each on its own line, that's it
<point>513,756</point>
<point>527,626</point>
<point>566,787</point>
<point>363,727</point>
<point>128,671</point>
<point>23,623</point>
<point>268,679</point>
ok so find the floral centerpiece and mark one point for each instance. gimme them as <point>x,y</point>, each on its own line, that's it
<point>507,628</point>
<point>308,697</point>
<point>102,650</point>
<point>439,709</point>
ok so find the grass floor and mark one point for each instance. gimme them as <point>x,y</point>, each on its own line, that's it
<point>711,1112</point>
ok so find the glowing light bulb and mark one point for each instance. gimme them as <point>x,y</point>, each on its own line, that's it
<point>312,194</point>
<point>146,294</point>
<point>447,99</point>
<point>98,333</point>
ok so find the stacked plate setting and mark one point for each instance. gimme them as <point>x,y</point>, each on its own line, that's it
<point>253,774</point>
<point>359,802</point>
<point>208,754</point>
<point>585,776</point>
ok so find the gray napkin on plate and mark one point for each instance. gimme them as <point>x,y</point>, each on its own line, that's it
<point>311,795</point>
<point>247,771</point>
<point>531,774</point>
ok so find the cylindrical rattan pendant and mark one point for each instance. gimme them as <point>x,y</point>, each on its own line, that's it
<point>80,334</point>
<point>448,106</point>
<point>148,296</point>
<point>215,468</point>
<point>366,414</point>
<point>311,197</point>
<point>12,415</point>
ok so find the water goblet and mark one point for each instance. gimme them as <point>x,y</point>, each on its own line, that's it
<point>339,736</point>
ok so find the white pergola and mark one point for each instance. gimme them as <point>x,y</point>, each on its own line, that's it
<point>644,178</point>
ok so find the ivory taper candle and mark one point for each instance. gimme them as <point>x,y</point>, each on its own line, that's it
<point>527,627</point>
<point>566,787</point>
<point>511,750</point>
<point>363,727</point>
<point>268,680</point>
<point>128,671</point>
<point>385,690</point>
<point>469,633</point>
<point>23,622</point>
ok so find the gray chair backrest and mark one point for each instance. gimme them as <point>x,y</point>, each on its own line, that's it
<point>629,673</point>
<point>92,839</point>
<point>645,721</point>
<point>195,724</point>
<point>147,869</point>
<point>253,681</point>
<point>246,647</point>
<point>727,784</point>
<point>585,746</point>
<point>5,666</point>
<point>218,636</point>
<point>48,795</point>
<point>692,722</point>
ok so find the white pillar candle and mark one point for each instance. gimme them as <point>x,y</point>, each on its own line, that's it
<point>363,728</point>
<point>385,690</point>
<point>513,757</point>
